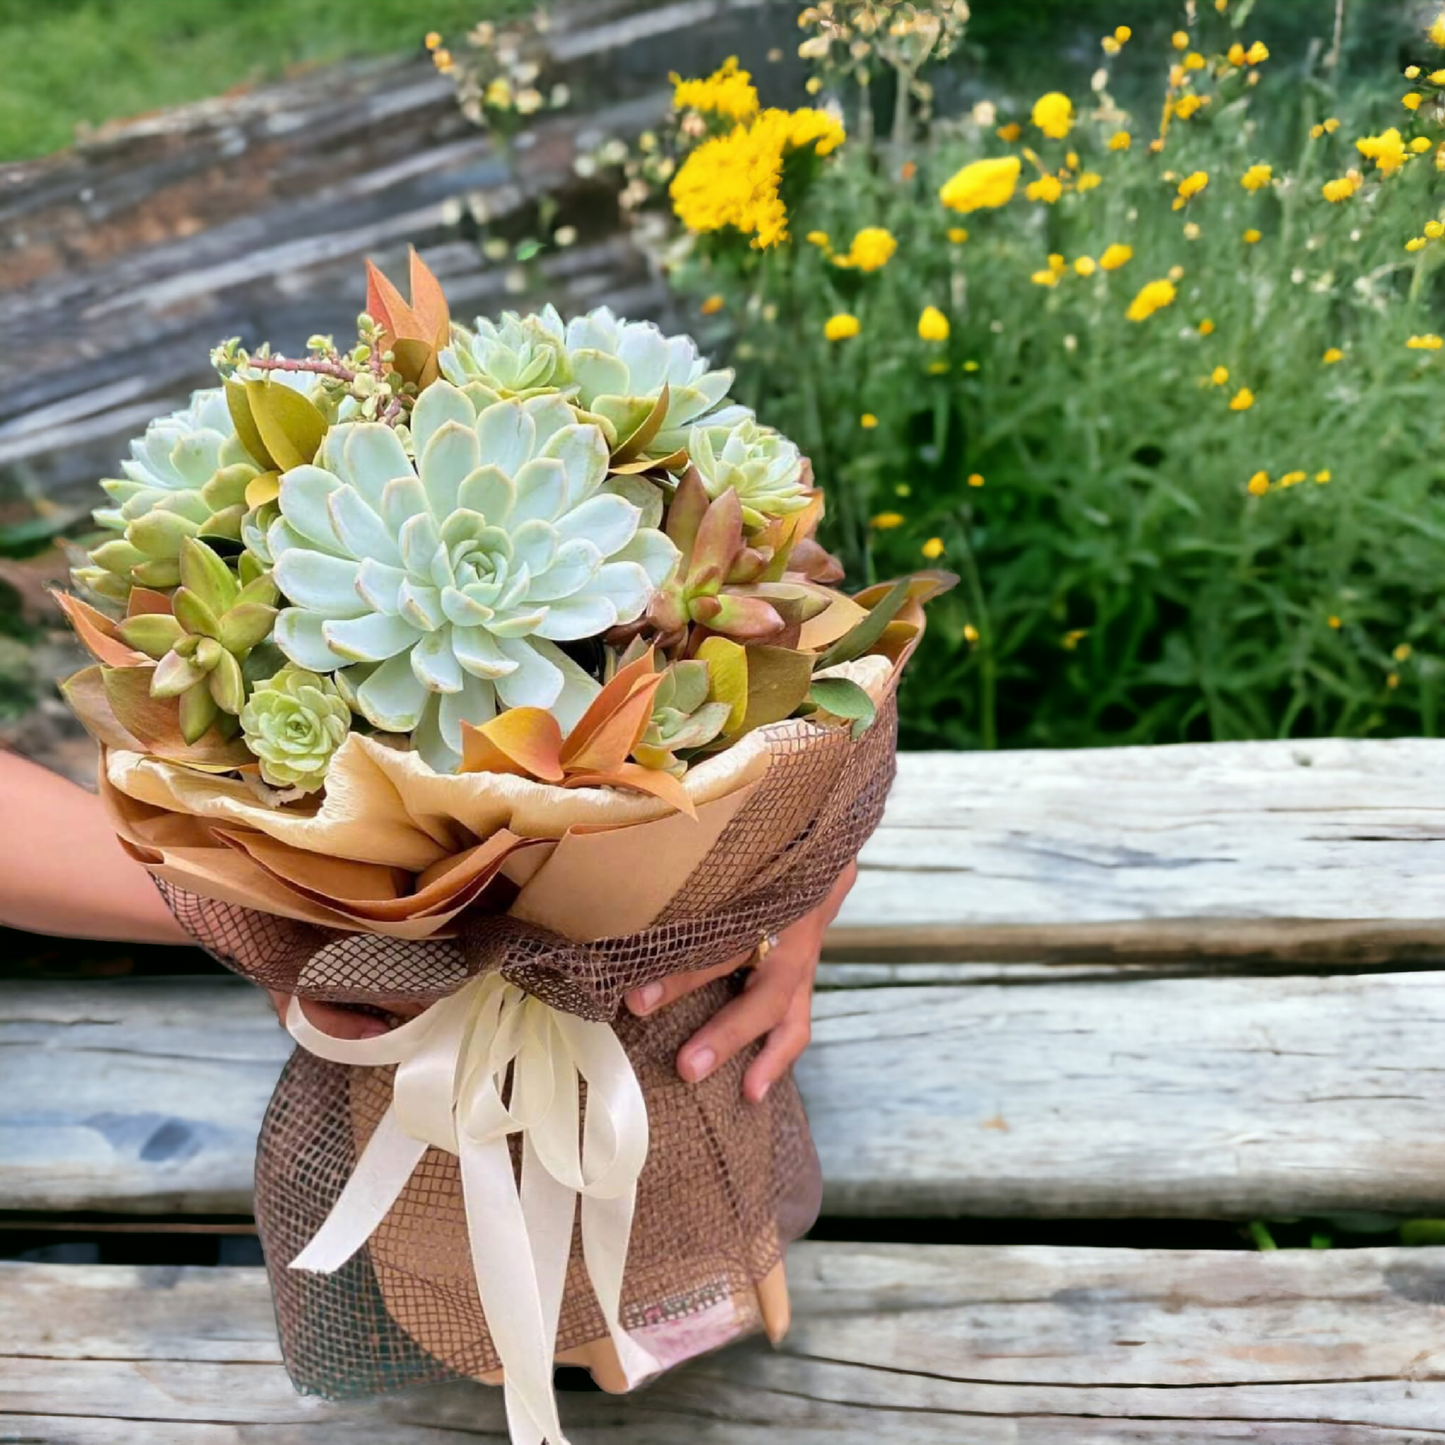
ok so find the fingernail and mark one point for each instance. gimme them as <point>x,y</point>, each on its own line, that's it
<point>698,1065</point>
<point>645,999</point>
<point>368,1027</point>
<point>763,1092</point>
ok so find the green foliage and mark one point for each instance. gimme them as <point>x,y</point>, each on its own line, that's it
<point>1085,472</point>
<point>76,62</point>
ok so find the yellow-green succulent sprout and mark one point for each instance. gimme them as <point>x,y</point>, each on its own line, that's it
<point>293,723</point>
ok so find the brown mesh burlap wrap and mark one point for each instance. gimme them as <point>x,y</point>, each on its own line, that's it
<point>726,1185</point>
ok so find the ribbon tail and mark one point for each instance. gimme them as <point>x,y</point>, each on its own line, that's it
<point>550,1208</point>
<point>380,1175</point>
<point>508,1286</point>
<point>606,1230</point>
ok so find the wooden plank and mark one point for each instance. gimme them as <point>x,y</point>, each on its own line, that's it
<point>1228,1097</point>
<point>923,1345</point>
<point>1271,848</point>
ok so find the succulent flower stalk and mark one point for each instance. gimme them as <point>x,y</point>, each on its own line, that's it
<point>437,589</point>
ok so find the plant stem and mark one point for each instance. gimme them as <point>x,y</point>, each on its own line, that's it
<point>987,667</point>
<point>286,363</point>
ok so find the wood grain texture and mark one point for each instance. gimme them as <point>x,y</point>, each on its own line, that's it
<point>1231,1097</point>
<point>1275,848</point>
<point>923,1345</point>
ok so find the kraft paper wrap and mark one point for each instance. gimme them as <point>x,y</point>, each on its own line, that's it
<point>401,885</point>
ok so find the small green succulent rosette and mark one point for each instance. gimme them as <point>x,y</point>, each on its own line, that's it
<point>293,723</point>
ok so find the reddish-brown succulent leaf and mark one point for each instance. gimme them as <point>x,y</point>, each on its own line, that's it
<point>609,744</point>
<point>614,693</point>
<point>156,724</point>
<point>689,506</point>
<point>86,694</point>
<point>719,539</point>
<point>523,741</point>
<point>750,618</point>
<point>388,307</point>
<point>98,633</point>
<point>144,600</point>
<point>429,304</point>
<point>639,779</point>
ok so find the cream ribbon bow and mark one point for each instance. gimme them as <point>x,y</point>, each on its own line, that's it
<point>452,1067</point>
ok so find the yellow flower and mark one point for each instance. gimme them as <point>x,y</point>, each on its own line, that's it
<point>1258,484</point>
<point>1415,243</point>
<point>1054,114</point>
<point>1086,266</point>
<point>1187,106</point>
<point>841,326</point>
<point>1111,46</point>
<point>1387,150</point>
<point>1115,256</point>
<point>1045,278</point>
<point>1437,30</point>
<point>1257,53</point>
<point>1154,297</point>
<point>867,421</point>
<point>902,489</point>
<point>1123,34</point>
<point>1176,273</point>
<point>1293,479</point>
<point>1072,160</point>
<point>1420,144</point>
<point>1412,100</point>
<point>1242,400</point>
<point>1334,622</point>
<point>1256,178</point>
<point>982,185</point>
<point>1393,681</point>
<point>1316,131</point>
<point>1340,189</point>
<point>1070,640</point>
<point>957,234</point>
<point>970,633</point>
<point>1206,327</point>
<point>733,180</point>
<point>970,366</point>
<point>1251,237</point>
<point>1332,125</point>
<point>1087,181</point>
<point>819,239</point>
<point>1435,229</point>
<point>1057,264</point>
<point>933,324</point>
<point>432,40</point>
<point>1180,40</point>
<point>887,521</point>
<point>1191,231</point>
<point>1046,189</point>
<point>712,305</point>
<point>933,548</point>
<point>1194,61</point>
<point>814,84</point>
<point>1402,652</point>
<point>871,249</point>
<point>1437,77</point>
<point>1412,72</point>
<point>442,59</point>
<point>1121,140</point>
<point>1324,476</point>
<point>1010,132</point>
<point>1332,355</point>
<point>1428,342</point>
<point>975,479</point>
<point>1235,54</point>
<point>1220,376</point>
<point>937,368</point>
<point>727,92</point>
<point>1191,185</point>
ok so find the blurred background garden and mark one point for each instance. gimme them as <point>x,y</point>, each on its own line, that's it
<point>1124,312</point>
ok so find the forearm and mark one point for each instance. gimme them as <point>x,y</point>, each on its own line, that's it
<point>62,870</point>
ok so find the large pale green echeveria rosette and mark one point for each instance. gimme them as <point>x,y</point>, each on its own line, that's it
<point>613,371</point>
<point>293,723</point>
<point>438,589</point>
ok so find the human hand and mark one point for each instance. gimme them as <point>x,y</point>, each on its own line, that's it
<point>776,1002</point>
<point>348,1021</point>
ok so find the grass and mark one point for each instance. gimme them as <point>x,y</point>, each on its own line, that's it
<point>81,62</point>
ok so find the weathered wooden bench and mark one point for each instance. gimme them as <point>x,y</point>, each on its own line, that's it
<point>1187,984</point>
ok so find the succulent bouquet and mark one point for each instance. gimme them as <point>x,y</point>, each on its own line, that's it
<point>406,654</point>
